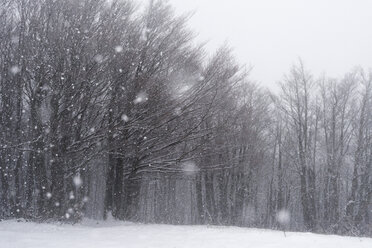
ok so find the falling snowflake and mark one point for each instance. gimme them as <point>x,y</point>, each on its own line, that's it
<point>47,130</point>
<point>49,195</point>
<point>71,196</point>
<point>141,98</point>
<point>183,89</point>
<point>144,34</point>
<point>189,168</point>
<point>125,118</point>
<point>98,58</point>
<point>178,111</point>
<point>77,181</point>
<point>15,69</point>
<point>118,49</point>
<point>109,3</point>
<point>283,216</point>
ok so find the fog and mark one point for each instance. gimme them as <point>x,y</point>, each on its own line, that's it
<point>269,35</point>
<point>111,110</point>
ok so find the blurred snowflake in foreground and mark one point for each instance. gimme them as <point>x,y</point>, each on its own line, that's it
<point>118,49</point>
<point>141,98</point>
<point>77,181</point>
<point>15,69</point>
<point>189,168</point>
<point>283,217</point>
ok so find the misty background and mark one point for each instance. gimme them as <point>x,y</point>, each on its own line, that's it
<point>118,109</point>
<point>330,36</point>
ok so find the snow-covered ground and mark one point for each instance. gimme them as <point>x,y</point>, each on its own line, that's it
<point>118,235</point>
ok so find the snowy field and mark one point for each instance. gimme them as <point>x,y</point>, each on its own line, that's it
<point>118,234</point>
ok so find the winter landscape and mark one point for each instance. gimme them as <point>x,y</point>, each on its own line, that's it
<point>120,126</point>
<point>118,234</point>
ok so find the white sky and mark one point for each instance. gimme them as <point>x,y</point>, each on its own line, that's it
<point>331,36</point>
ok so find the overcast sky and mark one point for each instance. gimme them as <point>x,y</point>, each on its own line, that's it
<point>331,36</point>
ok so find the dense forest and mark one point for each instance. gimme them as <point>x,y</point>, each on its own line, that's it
<point>111,108</point>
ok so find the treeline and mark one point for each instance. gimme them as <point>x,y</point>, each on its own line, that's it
<point>112,108</point>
